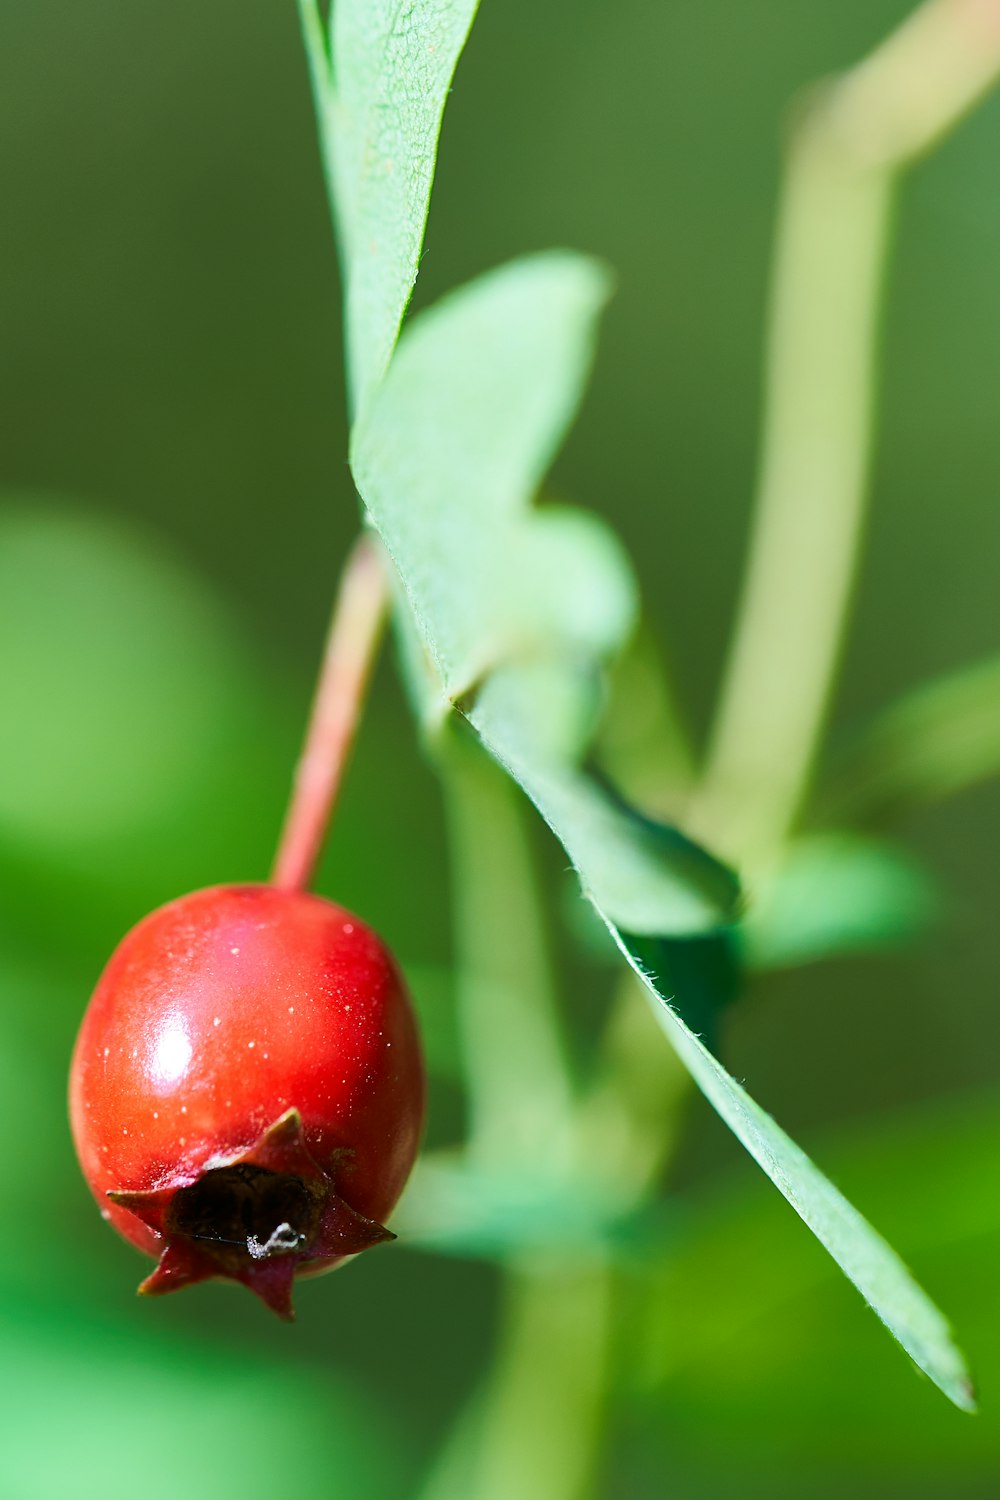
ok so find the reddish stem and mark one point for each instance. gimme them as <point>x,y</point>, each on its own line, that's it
<point>351,647</point>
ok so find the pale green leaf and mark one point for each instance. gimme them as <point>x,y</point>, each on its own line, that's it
<point>520,604</point>
<point>859,1250</point>
<point>648,878</point>
<point>938,740</point>
<point>707,1357</point>
<point>447,458</point>
<point>836,893</point>
<point>453,449</point>
<point>380,99</point>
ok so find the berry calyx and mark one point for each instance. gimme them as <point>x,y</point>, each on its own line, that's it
<point>247,1089</point>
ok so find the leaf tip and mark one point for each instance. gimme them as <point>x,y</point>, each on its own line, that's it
<point>964,1395</point>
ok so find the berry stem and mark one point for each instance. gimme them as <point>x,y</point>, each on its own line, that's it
<point>356,628</point>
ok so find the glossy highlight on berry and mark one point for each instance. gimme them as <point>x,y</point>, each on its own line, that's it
<point>247,1089</point>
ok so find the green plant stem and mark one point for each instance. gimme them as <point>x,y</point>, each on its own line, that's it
<point>811,499</point>
<point>850,142</point>
<point>520,1097</point>
<point>643,742</point>
<point>628,1124</point>
<point>535,1430</point>
<point>541,1428</point>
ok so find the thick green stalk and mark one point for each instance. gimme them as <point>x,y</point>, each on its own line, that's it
<point>535,1431</point>
<point>851,140</point>
<point>628,1125</point>
<point>831,241</point>
<point>520,1099</point>
<point>643,742</point>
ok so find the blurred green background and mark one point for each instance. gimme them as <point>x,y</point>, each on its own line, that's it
<point>175,503</point>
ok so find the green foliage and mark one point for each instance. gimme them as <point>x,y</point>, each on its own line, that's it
<point>381,79</point>
<point>647,877</point>
<point>517,607</point>
<point>701,974</point>
<point>449,455</point>
<point>836,893</point>
<point>938,740</point>
<point>710,1355</point>
<point>862,1254</point>
<point>152,750</point>
<point>513,613</point>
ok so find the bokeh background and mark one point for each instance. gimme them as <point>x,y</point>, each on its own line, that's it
<point>174,504</point>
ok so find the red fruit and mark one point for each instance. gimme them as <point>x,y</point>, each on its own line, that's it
<point>247,1089</point>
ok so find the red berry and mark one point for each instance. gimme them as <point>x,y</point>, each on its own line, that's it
<point>247,1089</point>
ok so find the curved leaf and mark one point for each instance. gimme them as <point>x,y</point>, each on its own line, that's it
<point>450,453</point>
<point>933,743</point>
<point>380,97</point>
<point>517,606</point>
<point>447,457</point>
<point>708,1358</point>
<point>836,893</point>
<point>862,1253</point>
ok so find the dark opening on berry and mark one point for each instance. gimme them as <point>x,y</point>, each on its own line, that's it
<point>247,1089</point>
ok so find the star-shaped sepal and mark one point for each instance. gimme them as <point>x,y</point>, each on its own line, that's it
<point>257,1217</point>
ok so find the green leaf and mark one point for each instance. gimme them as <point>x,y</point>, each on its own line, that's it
<point>938,740</point>
<point>707,1357</point>
<point>647,877</point>
<point>836,893</point>
<point>701,975</point>
<point>516,607</point>
<point>380,107</point>
<point>454,447</point>
<point>859,1250</point>
<point>513,612</point>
